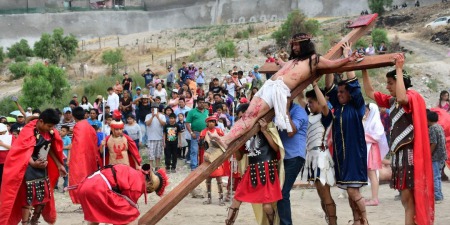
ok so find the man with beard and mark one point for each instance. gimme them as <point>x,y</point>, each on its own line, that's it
<point>302,64</point>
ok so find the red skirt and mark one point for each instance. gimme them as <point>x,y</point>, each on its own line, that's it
<point>35,202</point>
<point>268,193</point>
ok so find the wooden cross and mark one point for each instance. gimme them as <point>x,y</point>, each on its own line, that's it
<point>196,177</point>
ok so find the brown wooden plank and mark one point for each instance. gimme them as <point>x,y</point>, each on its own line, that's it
<point>269,67</point>
<point>369,62</point>
<point>159,210</point>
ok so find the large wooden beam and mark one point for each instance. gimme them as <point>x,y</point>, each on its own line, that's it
<point>160,209</point>
<point>369,62</point>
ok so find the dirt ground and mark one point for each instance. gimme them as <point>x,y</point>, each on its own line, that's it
<point>305,207</point>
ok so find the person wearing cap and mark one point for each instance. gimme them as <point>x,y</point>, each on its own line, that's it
<point>19,124</point>
<point>74,101</point>
<point>257,76</point>
<point>98,104</point>
<point>127,82</point>
<point>111,195</point>
<point>155,122</point>
<point>195,123</point>
<point>67,120</point>
<point>28,112</point>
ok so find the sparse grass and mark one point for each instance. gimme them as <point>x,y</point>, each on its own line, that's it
<point>433,84</point>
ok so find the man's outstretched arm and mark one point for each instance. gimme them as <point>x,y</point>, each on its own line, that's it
<point>332,64</point>
<point>368,88</point>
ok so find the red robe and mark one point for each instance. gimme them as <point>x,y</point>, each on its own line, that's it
<point>423,172</point>
<point>105,206</point>
<point>133,152</point>
<point>444,121</point>
<point>84,156</point>
<point>14,171</point>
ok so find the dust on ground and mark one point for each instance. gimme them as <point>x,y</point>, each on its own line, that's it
<point>305,203</point>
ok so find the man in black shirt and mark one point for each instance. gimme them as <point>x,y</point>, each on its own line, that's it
<point>127,82</point>
<point>19,124</point>
<point>216,88</point>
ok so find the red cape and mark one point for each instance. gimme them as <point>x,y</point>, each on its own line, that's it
<point>444,121</point>
<point>133,152</point>
<point>84,156</point>
<point>423,172</point>
<point>14,171</point>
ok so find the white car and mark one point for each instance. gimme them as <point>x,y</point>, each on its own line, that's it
<point>441,21</point>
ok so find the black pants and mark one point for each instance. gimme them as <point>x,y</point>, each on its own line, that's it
<point>170,153</point>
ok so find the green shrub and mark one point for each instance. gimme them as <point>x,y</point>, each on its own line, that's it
<point>2,55</point>
<point>226,49</point>
<point>361,43</point>
<point>113,58</point>
<point>242,34</point>
<point>18,70</point>
<point>377,6</point>
<point>295,23</point>
<point>44,85</point>
<point>379,35</point>
<point>251,29</point>
<point>7,106</point>
<point>20,48</point>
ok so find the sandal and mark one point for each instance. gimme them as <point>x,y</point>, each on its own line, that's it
<point>372,202</point>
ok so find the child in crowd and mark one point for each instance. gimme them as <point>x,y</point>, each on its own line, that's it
<point>438,152</point>
<point>107,129</point>
<point>222,124</point>
<point>444,102</point>
<point>171,143</point>
<point>211,123</point>
<point>67,145</point>
<point>181,124</point>
<point>188,138</point>
<point>133,130</point>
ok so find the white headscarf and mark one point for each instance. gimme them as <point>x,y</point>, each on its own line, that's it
<point>374,127</point>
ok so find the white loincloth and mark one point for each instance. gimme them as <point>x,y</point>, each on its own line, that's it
<point>275,93</point>
<point>318,161</point>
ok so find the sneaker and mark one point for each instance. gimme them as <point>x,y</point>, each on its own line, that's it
<point>397,198</point>
<point>438,201</point>
<point>188,161</point>
<point>173,171</point>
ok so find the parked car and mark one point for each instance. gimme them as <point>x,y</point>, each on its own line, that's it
<point>441,21</point>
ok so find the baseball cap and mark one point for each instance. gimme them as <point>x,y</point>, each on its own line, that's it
<point>138,88</point>
<point>154,105</point>
<point>243,100</point>
<point>74,96</point>
<point>175,91</point>
<point>256,67</point>
<point>29,108</point>
<point>20,115</point>
<point>67,109</point>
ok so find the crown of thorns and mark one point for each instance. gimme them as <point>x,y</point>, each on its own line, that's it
<point>305,37</point>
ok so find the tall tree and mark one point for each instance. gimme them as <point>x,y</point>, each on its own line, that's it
<point>56,46</point>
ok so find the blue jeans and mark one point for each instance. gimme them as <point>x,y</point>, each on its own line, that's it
<point>437,167</point>
<point>193,151</point>
<point>292,168</point>
<point>143,131</point>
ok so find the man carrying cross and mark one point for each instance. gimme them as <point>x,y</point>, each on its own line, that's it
<point>303,62</point>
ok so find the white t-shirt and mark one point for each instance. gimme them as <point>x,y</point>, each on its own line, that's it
<point>155,130</point>
<point>113,101</point>
<point>231,88</point>
<point>162,94</point>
